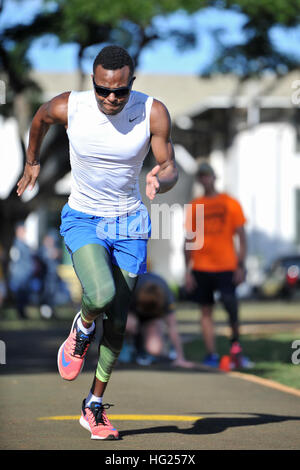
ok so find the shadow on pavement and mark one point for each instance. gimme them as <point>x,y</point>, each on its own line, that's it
<point>214,425</point>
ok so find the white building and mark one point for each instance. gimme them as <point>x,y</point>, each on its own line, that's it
<point>257,159</point>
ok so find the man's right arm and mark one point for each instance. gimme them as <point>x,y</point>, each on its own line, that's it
<point>54,111</point>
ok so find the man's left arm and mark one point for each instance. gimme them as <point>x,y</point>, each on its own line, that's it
<point>164,175</point>
<point>240,273</point>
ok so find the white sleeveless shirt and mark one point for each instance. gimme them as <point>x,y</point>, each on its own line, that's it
<point>107,154</point>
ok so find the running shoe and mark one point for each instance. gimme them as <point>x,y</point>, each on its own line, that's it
<point>246,363</point>
<point>211,360</point>
<point>94,419</point>
<point>238,361</point>
<point>127,353</point>
<point>172,354</point>
<point>71,354</point>
<point>144,359</point>
<point>235,349</point>
<point>235,354</point>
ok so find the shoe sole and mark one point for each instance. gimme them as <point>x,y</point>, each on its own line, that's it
<point>86,426</point>
<point>60,349</point>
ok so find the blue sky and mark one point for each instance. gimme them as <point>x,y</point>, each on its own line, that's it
<point>159,57</point>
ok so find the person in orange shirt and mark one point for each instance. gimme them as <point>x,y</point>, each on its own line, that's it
<point>213,263</point>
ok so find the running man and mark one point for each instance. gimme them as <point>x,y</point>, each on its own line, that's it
<point>105,224</point>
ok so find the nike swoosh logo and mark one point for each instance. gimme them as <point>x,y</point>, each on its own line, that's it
<point>64,362</point>
<point>130,120</point>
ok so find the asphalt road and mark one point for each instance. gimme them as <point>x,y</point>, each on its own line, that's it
<point>165,408</point>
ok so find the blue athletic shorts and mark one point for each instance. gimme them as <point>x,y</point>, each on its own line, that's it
<point>125,237</point>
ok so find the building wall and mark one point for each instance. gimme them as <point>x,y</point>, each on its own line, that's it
<point>165,248</point>
<point>263,172</point>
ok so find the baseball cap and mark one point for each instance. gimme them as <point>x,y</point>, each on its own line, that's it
<point>205,169</point>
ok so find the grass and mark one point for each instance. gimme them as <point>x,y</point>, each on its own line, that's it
<point>267,333</point>
<point>249,311</point>
<point>270,349</point>
<point>270,353</point>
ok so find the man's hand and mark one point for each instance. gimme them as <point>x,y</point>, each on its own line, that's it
<point>152,183</point>
<point>28,179</point>
<point>239,275</point>
<point>164,175</point>
<point>190,281</point>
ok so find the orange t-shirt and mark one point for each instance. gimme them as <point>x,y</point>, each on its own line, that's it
<point>222,216</point>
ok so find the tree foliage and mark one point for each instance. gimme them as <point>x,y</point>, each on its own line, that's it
<point>258,53</point>
<point>130,23</point>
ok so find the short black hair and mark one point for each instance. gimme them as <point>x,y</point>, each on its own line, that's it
<point>113,58</point>
<point>150,301</point>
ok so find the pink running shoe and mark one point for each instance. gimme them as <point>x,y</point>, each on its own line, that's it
<point>236,348</point>
<point>95,420</point>
<point>71,354</point>
<point>238,361</point>
<point>235,355</point>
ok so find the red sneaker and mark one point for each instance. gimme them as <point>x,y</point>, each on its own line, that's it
<point>71,354</point>
<point>94,419</point>
<point>235,355</point>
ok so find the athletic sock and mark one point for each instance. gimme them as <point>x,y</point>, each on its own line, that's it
<point>92,398</point>
<point>84,330</point>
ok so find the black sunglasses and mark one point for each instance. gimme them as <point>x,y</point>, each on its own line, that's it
<point>118,92</point>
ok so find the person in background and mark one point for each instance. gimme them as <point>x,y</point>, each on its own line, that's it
<point>21,270</point>
<point>50,256</point>
<point>3,288</point>
<point>218,265</point>
<point>152,311</point>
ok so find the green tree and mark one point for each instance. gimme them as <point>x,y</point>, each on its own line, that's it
<point>131,23</point>
<point>257,53</point>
